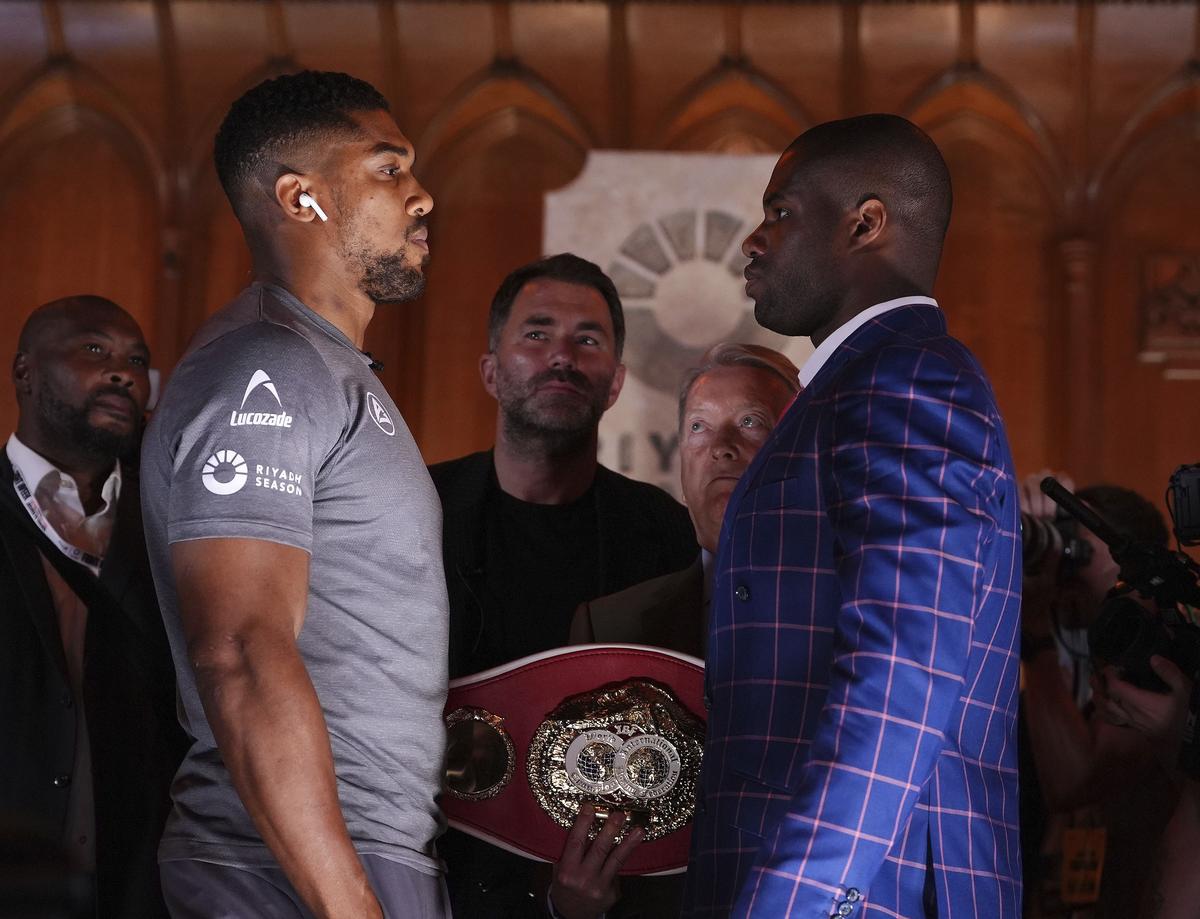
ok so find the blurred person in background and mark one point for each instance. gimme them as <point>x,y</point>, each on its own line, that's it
<point>1095,794</point>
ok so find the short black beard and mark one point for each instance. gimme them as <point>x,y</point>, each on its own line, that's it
<point>71,427</point>
<point>532,434</point>
<point>532,438</point>
<point>389,279</point>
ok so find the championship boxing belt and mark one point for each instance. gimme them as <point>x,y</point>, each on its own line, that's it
<point>616,726</point>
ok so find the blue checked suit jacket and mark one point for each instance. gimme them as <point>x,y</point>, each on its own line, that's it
<point>863,657</point>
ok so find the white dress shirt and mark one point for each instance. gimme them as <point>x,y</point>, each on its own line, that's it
<point>825,350</point>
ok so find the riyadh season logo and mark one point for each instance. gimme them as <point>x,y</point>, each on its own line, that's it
<point>224,472</point>
<point>280,419</point>
<point>380,415</point>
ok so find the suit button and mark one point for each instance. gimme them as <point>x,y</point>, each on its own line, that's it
<point>742,592</point>
<point>852,895</point>
<point>845,909</point>
<point>62,781</point>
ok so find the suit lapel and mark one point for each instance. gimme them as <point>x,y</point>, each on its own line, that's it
<point>18,538</point>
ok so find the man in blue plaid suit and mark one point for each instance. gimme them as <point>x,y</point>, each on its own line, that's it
<point>863,657</point>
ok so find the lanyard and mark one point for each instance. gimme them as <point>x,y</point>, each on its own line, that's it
<point>74,553</point>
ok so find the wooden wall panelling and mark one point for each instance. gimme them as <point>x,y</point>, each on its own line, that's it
<point>671,46</point>
<point>23,42</point>
<point>81,216</point>
<point>901,48</point>
<point>338,36</point>
<point>1149,421</point>
<point>997,282</point>
<point>799,49</point>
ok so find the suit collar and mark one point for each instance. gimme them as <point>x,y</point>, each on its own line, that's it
<point>839,335</point>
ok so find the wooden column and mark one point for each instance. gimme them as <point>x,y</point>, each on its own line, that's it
<point>1077,427</point>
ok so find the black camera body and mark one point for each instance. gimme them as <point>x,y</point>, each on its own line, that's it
<point>1126,635</point>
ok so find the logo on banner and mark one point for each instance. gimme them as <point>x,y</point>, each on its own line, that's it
<point>380,415</point>
<point>225,472</point>
<point>279,419</point>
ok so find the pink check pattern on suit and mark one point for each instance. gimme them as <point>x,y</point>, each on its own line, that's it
<point>862,657</point>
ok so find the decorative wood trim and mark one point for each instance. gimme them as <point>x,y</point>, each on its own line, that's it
<point>502,38</point>
<point>389,43</point>
<point>733,31</point>
<point>56,38</point>
<point>851,57</point>
<point>277,33</point>
<point>1080,407</point>
<point>619,76</point>
<point>173,242</point>
<point>968,55</point>
<point>1081,116</point>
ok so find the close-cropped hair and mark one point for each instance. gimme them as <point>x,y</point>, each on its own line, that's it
<point>565,267</point>
<point>266,127</point>
<point>737,354</point>
<point>1129,513</point>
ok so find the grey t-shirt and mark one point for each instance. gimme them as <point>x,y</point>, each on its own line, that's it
<point>274,427</point>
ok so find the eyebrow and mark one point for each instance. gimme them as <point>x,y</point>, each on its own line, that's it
<point>89,332</point>
<point>385,147</point>
<point>772,198</point>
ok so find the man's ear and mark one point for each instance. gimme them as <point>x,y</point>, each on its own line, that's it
<point>614,390</point>
<point>487,373</point>
<point>870,222</point>
<point>288,188</point>
<point>22,374</point>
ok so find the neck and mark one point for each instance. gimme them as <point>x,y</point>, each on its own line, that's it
<point>530,473</point>
<point>319,281</point>
<point>90,472</point>
<point>867,293</point>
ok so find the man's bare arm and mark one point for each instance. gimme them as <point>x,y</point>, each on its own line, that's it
<point>242,602</point>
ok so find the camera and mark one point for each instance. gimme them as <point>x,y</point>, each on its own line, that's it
<point>1126,633</point>
<point>1042,539</point>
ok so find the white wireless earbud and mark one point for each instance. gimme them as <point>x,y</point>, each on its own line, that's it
<point>307,200</point>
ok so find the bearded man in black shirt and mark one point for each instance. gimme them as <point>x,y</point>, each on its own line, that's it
<point>535,526</point>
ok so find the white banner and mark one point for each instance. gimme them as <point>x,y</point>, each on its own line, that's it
<point>668,229</point>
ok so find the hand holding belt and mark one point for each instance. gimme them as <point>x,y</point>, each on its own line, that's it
<point>613,725</point>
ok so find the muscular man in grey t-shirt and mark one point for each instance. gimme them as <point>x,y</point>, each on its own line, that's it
<point>295,537</point>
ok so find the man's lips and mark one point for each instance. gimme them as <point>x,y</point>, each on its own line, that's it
<point>420,238</point>
<point>122,406</point>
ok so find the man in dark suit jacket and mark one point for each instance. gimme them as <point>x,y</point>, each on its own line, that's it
<point>87,693</point>
<point>535,526</point>
<point>862,662</point>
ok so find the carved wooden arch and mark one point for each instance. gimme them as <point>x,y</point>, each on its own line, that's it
<point>1184,128</point>
<point>506,89</point>
<point>1176,103</point>
<point>968,103</point>
<point>64,97</point>
<point>733,100</point>
<point>500,125</point>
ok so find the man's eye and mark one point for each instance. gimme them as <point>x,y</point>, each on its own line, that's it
<point>782,212</point>
<point>695,427</point>
<point>139,360</point>
<point>392,171</point>
<point>587,340</point>
<point>94,348</point>
<point>535,334</point>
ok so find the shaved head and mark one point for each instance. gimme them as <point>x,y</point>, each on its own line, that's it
<point>885,157</point>
<point>48,320</point>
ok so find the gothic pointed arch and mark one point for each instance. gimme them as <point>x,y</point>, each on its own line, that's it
<point>733,108</point>
<point>968,102</point>
<point>504,87</point>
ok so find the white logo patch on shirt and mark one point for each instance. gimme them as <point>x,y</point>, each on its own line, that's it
<point>380,415</point>
<point>275,478</point>
<point>280,419</point>
<point>224,472</point>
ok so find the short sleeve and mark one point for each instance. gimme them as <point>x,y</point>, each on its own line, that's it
<point>248,422</point>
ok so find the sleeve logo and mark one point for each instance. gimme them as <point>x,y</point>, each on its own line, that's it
<point>240,417</point>
<point>380,415</point>
<point>224,472</point>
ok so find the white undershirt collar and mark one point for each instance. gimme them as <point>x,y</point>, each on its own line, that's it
<point>34,467</point>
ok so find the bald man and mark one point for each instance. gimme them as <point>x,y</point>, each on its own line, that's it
<point>862,655</point>
<point>87,692</point>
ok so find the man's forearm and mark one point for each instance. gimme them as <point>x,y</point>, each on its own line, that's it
<point>273,739</point>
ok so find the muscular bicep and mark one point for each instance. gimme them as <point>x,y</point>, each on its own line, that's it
<point>234,592</point>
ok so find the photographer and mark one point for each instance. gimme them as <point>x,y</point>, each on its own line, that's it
<point>1106,794</point>
<point>1172,889</point>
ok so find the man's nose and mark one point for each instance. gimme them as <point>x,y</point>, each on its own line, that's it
<point>752,245</point>
<point>562,354</point>
<point>419,202</point>
<point>725,445</point>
